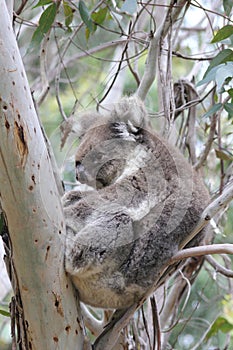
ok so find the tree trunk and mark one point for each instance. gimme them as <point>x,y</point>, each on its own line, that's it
<point>44,302</point>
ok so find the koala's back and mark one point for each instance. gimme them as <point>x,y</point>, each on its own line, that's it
<point>120,237</point>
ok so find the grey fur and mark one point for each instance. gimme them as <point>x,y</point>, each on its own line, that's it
<point>145,202</point>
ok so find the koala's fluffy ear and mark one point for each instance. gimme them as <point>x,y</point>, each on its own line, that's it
<point>132,111</point>
<point>76,127</point>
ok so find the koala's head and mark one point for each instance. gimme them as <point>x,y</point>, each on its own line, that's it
<point>107,144</point>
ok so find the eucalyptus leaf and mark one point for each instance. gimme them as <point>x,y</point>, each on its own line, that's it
<point>45,23</point>
<point>69,14</point>
<point>229,109</point>
<point>209,76</point>
<point>99,16</point>
<point>213,110</point>
<point>220,324</point>
<point>5,313</point>
<point>222,57</point>
<point>223,33</point>
<point>224,155</point>
<point>223,72</point>
<point>227,5</point>
<point>43,3</point>
<point>218,74</point>
<point>85,15</point>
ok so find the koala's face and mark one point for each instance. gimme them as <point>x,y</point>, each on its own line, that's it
<point>102,154</point>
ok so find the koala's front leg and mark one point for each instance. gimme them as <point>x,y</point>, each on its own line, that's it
<point>98,243</point>
<point>72,197</point>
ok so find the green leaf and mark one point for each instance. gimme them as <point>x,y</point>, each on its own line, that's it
<point>223,72</point>
<point>85,15</point>
<point>43,3</point>
<point>209,76</point>
<point>213,110</point>
<point>220,324</point>
<point>224,155</point>
<point>129,6</point>
<point>219,74</point>
<point>69,14</point>
<point>99,16</point>
<point>222,57</point>
<point>222,33</point>
<point>227,5</point>
<point>45,23</point>
<point>230,92</point>
<point>87,33</point>
<point>5,313</point>
<point>229,109</point>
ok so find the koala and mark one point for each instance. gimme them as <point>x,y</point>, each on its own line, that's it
<point>145,199</point>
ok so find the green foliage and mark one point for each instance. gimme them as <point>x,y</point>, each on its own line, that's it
<point>86,17</point>
<point>91,20</point>
<point>223,323</point>
<point>229,109</point>
<point>227,5</point>
<point>216,107</point>
<point>223,33</point>
<point>223,154</point>
<point>220,70</point>
<point>219,75</point>
<point>68,12</point>
<point>43,3</point>
<point>223,56</point>
<point>100,15</point>
<point>45,23</point>
<point>4,313</point>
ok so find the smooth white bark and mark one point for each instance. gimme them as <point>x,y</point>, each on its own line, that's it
<point>32,208</point>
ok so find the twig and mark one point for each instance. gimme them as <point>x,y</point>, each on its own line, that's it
<point>156,323</point>
<point>185,282</point>
<point>21,7</point>
<point>205,152</point>
<point>134,73</point>
<point>145,324</point>
<point>218,267</point>
<point>226,248</point>
<point>191,134</point>
<point>95,326</point>
<point>116,74</point>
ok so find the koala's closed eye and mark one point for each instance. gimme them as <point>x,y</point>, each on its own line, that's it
<point>147,199</point>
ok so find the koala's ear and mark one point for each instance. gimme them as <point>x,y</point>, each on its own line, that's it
<point>77,125</point>
<point>86,121</point>
<point>132,111</point>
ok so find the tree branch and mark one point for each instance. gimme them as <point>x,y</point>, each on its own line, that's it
<point>32,209</point>
<point>218,267</point>
<point>202,250</point>
<point>150,67</point>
